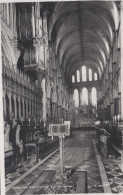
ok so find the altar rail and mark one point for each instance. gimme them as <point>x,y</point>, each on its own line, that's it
<point>84,123</point>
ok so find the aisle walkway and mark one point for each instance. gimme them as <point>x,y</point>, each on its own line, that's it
<point>81,153</point>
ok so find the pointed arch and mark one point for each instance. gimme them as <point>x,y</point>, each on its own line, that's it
<point>78,75</point>
<point>84,96</point>
<point>76,97</point>
<point>84,73</point>
<point>90,74</point>
<point>95,76</point>
<point>73,79</point>
<point>94,96</point>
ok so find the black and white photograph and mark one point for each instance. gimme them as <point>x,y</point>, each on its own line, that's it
<point>61,97</point>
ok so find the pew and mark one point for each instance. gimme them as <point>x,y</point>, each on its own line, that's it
<point>37,143</point>
<point>30,139</point>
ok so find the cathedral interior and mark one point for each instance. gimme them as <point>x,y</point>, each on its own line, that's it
<point>62,92</point>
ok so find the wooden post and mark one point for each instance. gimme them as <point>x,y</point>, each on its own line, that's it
<point>61,154</point>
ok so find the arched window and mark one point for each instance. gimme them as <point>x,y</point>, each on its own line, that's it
<point>90,75</point>
<point>78,76</point>
<point>84,76</point>
<point>94,96</point>
<point>73,79</point>
<point>76,98</point>
<point>84,96</point>
<point>95,76</point>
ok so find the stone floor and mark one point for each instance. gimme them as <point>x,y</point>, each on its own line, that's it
<point>80,153</point>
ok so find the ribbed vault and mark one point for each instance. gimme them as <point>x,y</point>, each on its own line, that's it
<point>82,33</point>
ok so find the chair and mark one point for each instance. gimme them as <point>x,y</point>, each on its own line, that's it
<point>34,146</point>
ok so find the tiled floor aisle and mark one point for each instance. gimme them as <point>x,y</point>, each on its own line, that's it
<point>81,153</point>
<point>115,175</point>
<point>17,172</point>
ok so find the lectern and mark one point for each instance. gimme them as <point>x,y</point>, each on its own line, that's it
<point>60,130</point>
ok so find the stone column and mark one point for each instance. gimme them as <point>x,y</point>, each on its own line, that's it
<point>58,110</point>
<point>87,74</point>
<point>45,37</point>
<point>55,111</point>
<point>35,107</point>
<point>76,77</point>
<point>36,17</point>
<point>81,96</point>
<point>33,21</point>
<point>44,100</point>
<point>40,109</point>
<point>63,113</point>
<point>89,97</point>
<point>11,15</point>
<point>23,108</point>
<point>60,113</point>
<point>26,109</point>
<point>93,75</point>
<point>14,26</point>
<point>80,102</point>
<point>71,95</point>
<point>29,108</point>
<point>32,108</point>
<point>15,107</point>
<point>4,104</point>
<point>119,105</point>
<point>10,105</point>
<point>19,108</point>
<point>80,70</point>
<point>7,13</point>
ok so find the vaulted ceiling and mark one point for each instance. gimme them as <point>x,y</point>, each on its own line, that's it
<point>82,33</point>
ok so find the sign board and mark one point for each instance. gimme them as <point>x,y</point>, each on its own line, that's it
<point>59,130</point>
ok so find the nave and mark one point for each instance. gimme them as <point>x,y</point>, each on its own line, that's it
<point>81,153</point>
<point>62,62</point>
